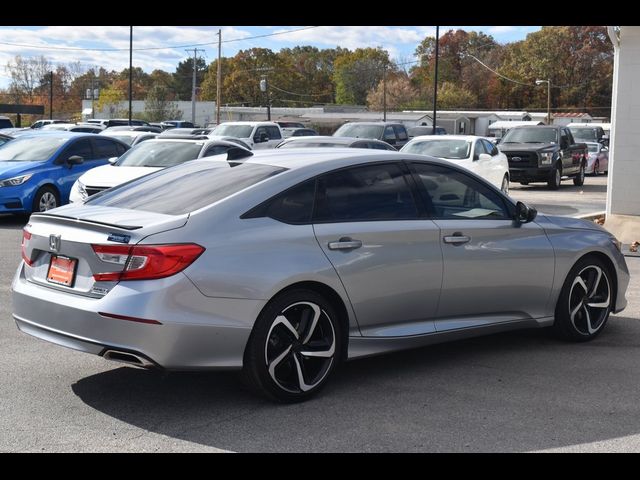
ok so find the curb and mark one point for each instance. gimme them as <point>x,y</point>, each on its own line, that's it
<point>590,216</point>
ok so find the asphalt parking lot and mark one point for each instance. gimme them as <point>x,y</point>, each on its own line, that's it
<point>520,391</point>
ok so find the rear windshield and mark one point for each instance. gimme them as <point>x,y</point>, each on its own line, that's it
<point>185,188</point>
<point>160,154</point>
<point>359,130</point>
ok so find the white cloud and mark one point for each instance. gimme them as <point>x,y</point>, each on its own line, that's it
<point>502,29</point>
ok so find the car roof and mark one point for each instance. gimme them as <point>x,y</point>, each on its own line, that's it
<point>125,133</point>
<point>469,138</point>
<point>58,133</point>
<point>325,139</point>
<point>373,123</point>
<point>249,123</point>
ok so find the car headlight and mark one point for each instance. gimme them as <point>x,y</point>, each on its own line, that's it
<point>546,158</point>
<point>81,190</point>
<point>12,182</point>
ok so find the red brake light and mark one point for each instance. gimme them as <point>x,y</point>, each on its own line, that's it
<point>26,235</point>
<point>146,262</point>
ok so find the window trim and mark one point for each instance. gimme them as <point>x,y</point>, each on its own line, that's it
<point>428,205</point>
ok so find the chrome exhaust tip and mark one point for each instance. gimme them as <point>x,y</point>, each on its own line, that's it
<point>128,358</point>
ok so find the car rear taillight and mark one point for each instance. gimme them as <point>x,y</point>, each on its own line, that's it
<point>26,235</point>
<point>145,262</point>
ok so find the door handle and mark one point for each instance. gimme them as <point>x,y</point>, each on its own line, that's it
<point>345,243</point>
<point>456,239</point>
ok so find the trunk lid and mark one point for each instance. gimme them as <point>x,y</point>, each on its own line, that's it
<point>69,233</point>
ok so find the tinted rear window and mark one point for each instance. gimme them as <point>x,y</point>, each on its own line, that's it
<point>185,188</point>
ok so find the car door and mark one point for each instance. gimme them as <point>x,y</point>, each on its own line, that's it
<point>494,269</point>
<point>68,174</point>
<point>387,255</point>
<point>571,158</point>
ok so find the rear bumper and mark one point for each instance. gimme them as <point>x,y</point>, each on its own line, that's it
<point>195,332</point>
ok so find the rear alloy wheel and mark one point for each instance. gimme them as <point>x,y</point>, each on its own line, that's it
<point>578,180</point>
<point>505,185</point>
<point>585,301</point>
<point>555,178</point>
<point>46,198</point>
<point>294,347</point>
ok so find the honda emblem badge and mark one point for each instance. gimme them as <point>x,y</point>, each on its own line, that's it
<point>54,242</point>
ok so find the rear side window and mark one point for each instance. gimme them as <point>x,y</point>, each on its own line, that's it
<point>186,187</point>
<point>292,206</point>
<point>372,192</point>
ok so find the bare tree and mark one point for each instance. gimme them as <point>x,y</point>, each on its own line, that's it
<point>27,75</point>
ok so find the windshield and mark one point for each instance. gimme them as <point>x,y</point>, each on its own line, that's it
<point>531,135</point>
<point>31,149</point>
<point>585,134</point>
<point>160,154</point>
<point>184,188</point>
<point>360,131</point>
<point>449,149</point>
<point>239,131</point>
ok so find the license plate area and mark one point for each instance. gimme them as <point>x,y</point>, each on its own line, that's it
<point>62,270</point>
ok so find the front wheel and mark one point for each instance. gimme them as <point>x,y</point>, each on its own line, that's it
<point>294,347</point>
<point>578,180</point>
<point>46,198</point>
<point>585,301</point>
<point>555,177</point>
<point>505,185</point>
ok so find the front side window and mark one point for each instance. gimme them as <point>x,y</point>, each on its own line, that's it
<point>273,133</point>
<point>81,148</point>
<point>401,132</point>
<point>389,134</point>
<point>367,193</point>
<point>477,150</point>
<point>452,195</point>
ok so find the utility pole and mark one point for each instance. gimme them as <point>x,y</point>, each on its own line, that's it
<point>264,87</point>
<point>50,95</point>
<point>130,70</point>
<point>548,82</point>
<point>384,93</point>
<point>193,84</point>
<point>435,82</point>
<point>219,76</point>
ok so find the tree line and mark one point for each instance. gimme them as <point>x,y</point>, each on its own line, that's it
<point>474,72</point>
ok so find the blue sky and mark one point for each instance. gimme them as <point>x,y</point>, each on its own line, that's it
<point>164,47</point>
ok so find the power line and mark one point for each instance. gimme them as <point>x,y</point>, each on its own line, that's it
<point>43,47</point>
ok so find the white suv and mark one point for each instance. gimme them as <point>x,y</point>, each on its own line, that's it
<point>258,135</point>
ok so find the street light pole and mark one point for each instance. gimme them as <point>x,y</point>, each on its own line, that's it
<point>548,82</point>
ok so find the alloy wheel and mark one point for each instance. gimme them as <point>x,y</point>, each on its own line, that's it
<point>505,185</point>
<point>47,202</point>
<point>300,347</point>
<point>589,300</point>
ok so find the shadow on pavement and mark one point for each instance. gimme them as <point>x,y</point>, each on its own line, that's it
<point>13,222</point>
<point>509,392</point>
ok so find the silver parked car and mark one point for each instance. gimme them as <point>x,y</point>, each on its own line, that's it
<point>293,260</point>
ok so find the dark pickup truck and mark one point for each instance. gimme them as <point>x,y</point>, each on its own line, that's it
<point>544,153</point>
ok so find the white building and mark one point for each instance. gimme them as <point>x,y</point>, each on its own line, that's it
<point>205,111</point>
<point>623,198</point>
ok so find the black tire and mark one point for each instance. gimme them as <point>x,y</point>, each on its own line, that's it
<point>275,363</point>
<point>578,180</point>
<point>573,301</point>
<point>555,177</point>
<point>45,199</point>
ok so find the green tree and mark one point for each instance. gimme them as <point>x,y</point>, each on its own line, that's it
<point>183,77</point>
<point>356,73</point>
<point>451,96</point>
<point>159,106</point>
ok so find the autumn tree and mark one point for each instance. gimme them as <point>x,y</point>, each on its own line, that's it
<point>452,96</point>
<point>401,94</point>
<point>109,100</point>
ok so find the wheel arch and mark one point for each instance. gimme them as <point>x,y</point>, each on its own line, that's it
<point>46,184</point>
<point>610,267</point>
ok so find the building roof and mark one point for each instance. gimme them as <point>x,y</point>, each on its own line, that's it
<point>571,115</point>
<point>504,124</point>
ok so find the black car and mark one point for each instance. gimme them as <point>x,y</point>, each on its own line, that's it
<point>395,134</point>
<point>5,122</point>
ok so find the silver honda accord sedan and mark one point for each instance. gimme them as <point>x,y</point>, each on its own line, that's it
<point>287,263</point>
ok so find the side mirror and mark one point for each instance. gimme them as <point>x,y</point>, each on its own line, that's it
<point>112,160</point>
<point>484,157</point>
<point>525,214</point>
<point>75,160</point>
